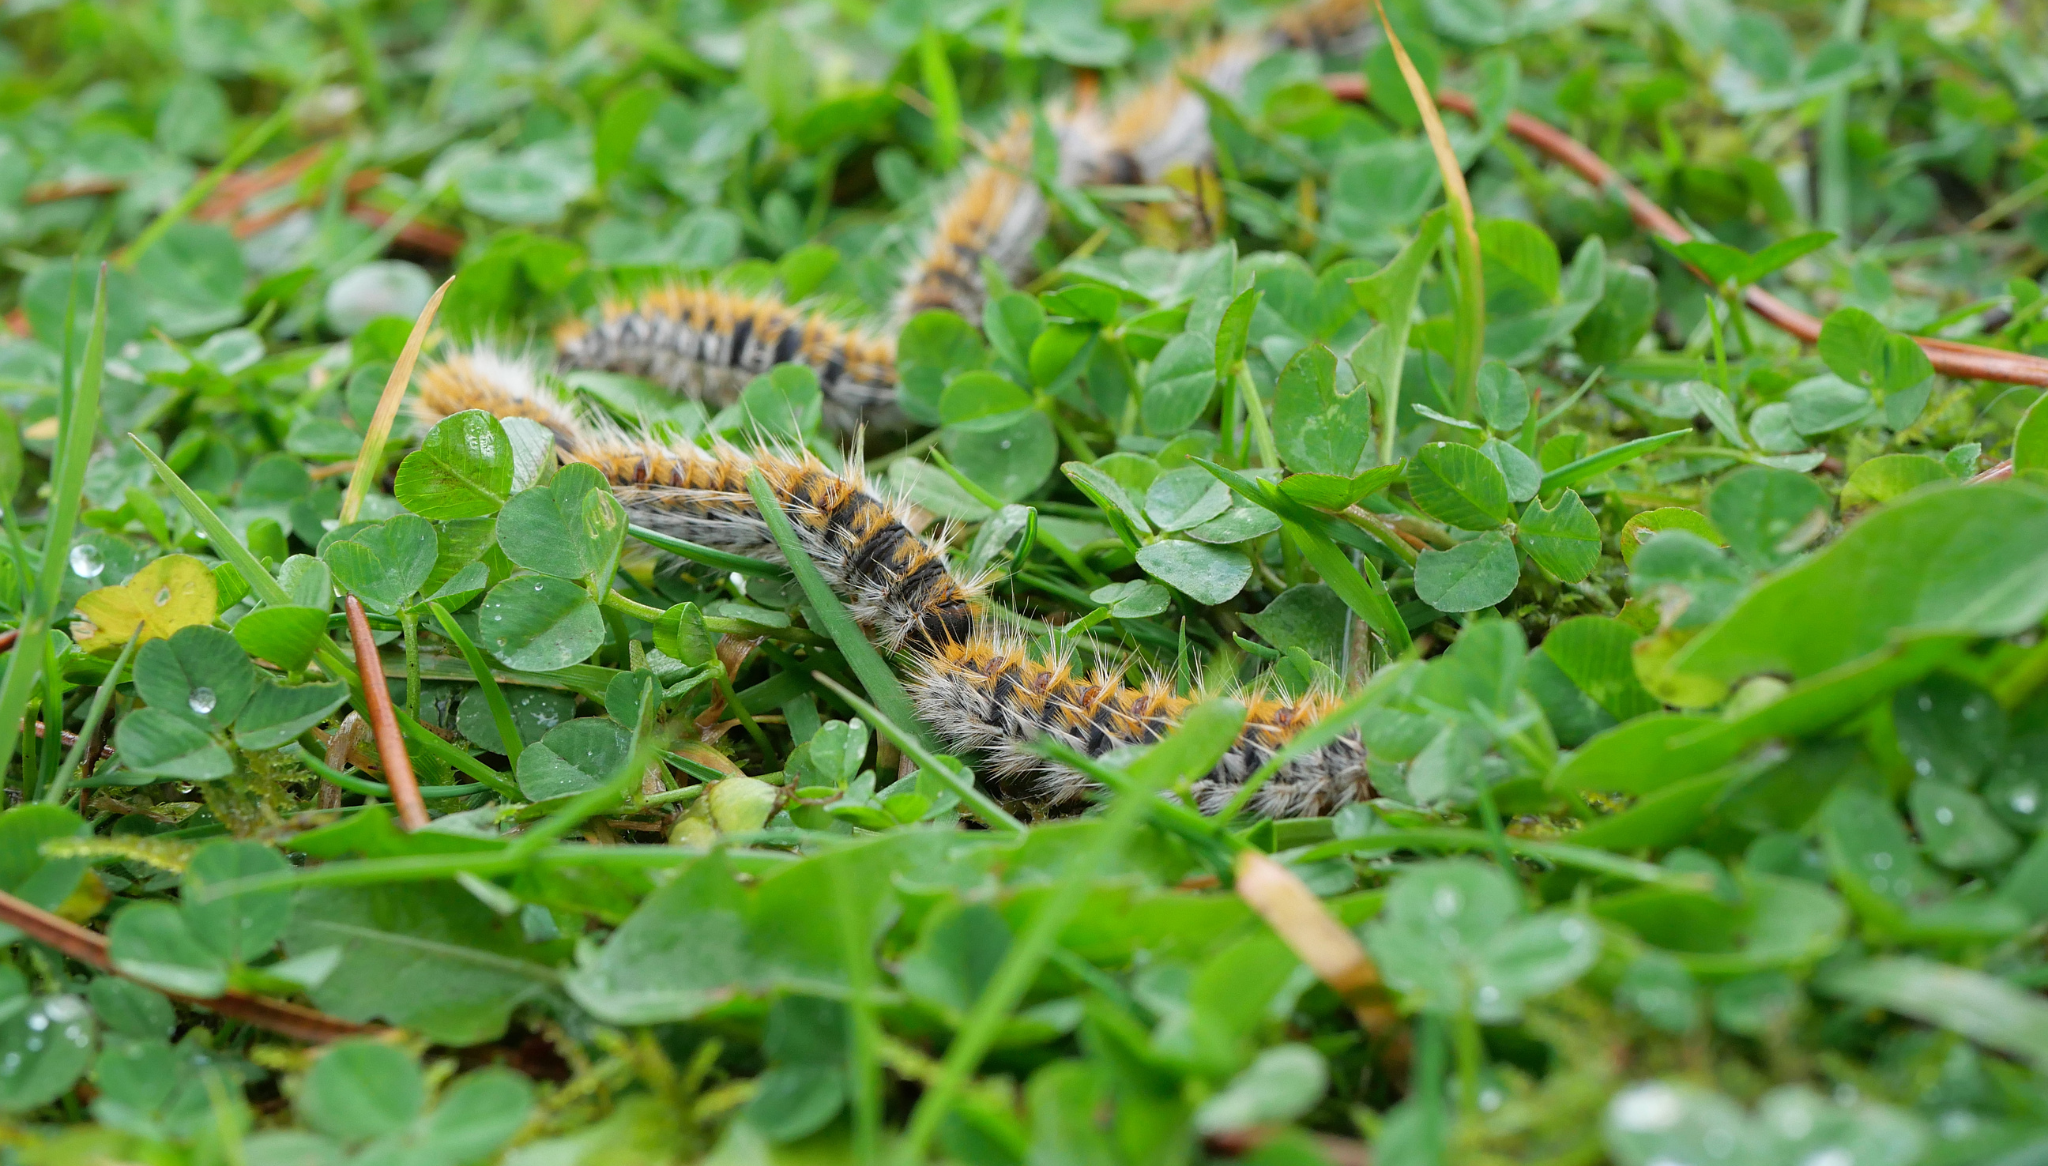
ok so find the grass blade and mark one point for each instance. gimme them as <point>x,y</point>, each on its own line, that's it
<point>203,189</point>
<point>1607,459</point>
<point>986,808</point>
<point>494,696</point>
<point>1360,587</point>
<point>223,540</point>
<point>370,459</point>
<point>1470,315</point>
<point>867,664</point>
<point>944,94</point>
<point>81,414</point>
<point>1021,963</point>
<point>708,556</point>
<point>1328,947</point>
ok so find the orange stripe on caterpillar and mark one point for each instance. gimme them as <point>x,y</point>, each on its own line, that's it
<point>997,214</point>
<point>707,343</point>
<point>985,693</point>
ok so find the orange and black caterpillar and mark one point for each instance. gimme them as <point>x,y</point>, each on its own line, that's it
<point>893,581</point>
<point>1161,126</point>
<point>974,687</point>
<point>989,694</point>
<point>1164,124</point>
<point>995,216</point>
<point>707,343</point>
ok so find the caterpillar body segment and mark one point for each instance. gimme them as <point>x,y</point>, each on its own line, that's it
<point>996,215</point>
<point>989,694</point>
<point>978,688</point>
<point>707,343</point>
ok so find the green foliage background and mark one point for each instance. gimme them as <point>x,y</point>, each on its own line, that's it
<point>1707,704</point>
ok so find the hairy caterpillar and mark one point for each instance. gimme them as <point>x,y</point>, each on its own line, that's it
<point>974,686</point>
<point>1163,125</point>
<point>893,581</point>
<point>987,693</point>
<point>707,343</point>
<point>995,216</point>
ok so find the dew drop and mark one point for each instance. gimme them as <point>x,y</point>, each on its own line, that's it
<point>2026,800</point>
<point>1924,767</point>
<point>1945,816</point>
<point>1882,860</point>
<point>202,700</point>
<point>1004,444</point>
<point>1926,703</point>
<point>85,562</point>
<point>163,596</point>
<point>1446,901</point>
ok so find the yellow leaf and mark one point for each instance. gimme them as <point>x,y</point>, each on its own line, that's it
<point>174,592</point>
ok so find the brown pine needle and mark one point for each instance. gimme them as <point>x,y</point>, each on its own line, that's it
<point>405,788</point>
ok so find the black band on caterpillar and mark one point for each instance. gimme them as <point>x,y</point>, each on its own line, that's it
<point>707,343</point>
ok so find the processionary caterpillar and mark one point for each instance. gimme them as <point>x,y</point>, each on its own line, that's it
<point>707,342</point>
<point>977,688</point>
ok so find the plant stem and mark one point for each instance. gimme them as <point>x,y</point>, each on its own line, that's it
<point>1255,417</point>
<point>1471,1054</point>
<point>59,786</point>
<point>409,624</point>
<point>739,710</point>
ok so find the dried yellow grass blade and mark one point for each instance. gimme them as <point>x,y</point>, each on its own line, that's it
<point>371,460</point>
